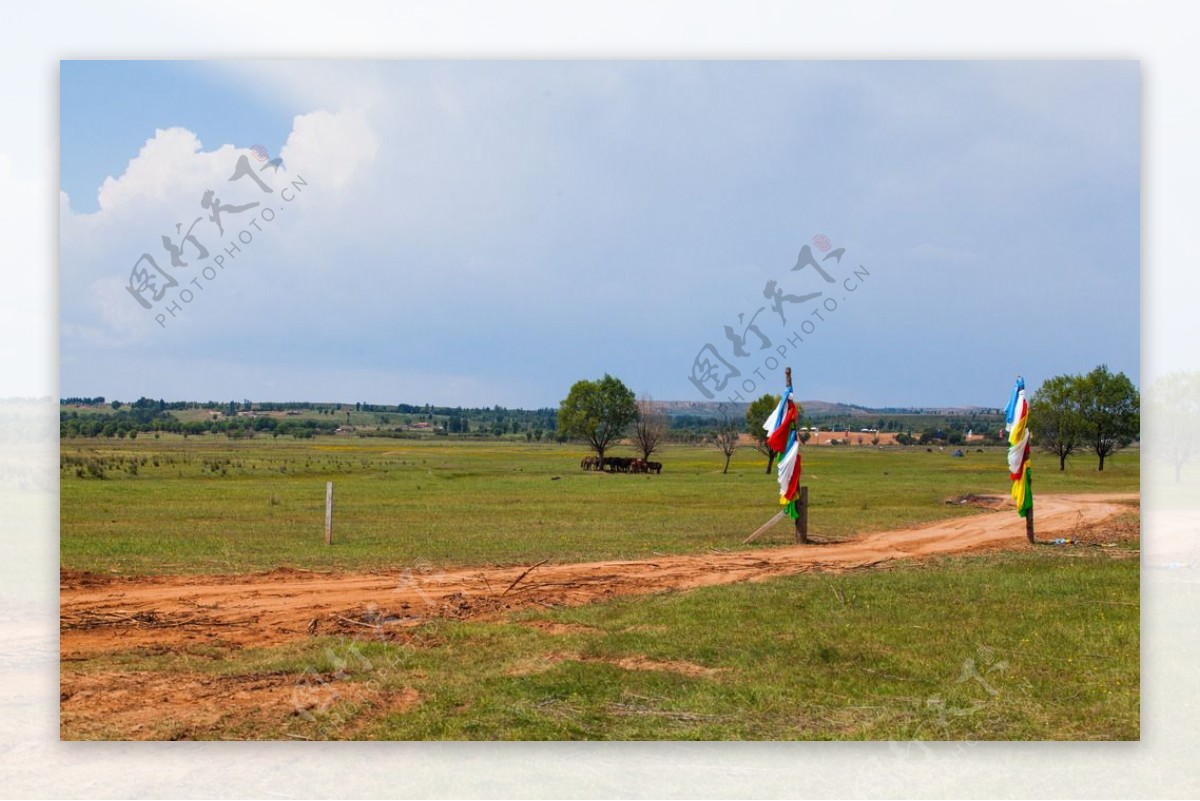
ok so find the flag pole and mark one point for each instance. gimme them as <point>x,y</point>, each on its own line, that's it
<point>1029,514</point>
<point>802,498</point>
<point>1017,420</point>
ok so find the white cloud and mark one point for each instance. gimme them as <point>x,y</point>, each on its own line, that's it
<point>171,161</point>
<point>159,194</point>
<point>330,147</point>
<point>173,165</point>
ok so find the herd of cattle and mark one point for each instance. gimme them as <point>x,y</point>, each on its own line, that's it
<point>620,464</point>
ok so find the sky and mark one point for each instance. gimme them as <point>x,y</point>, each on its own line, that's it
<point>476,233</point>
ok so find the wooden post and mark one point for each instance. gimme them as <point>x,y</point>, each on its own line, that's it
<point>802,518</point>
<point>329,513</point>
<point>1029,526</point>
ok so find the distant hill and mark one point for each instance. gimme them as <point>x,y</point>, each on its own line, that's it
<point>817,409</point>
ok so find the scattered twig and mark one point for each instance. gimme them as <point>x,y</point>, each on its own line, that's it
<point>545,584</point>
<point>523,575</point>
<point>885,675</point>
<point>146,618</point>
<point>1110,603</point>
<point>626,709</point>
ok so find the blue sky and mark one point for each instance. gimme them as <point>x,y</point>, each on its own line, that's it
<point>477,233</point>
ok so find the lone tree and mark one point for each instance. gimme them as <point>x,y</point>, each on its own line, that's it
<point>755,415</point>
<point>1111,410</point>
<point>727,435</point>
<point>597,412</point>
<point>651,425</point>
<point>1056,417</point>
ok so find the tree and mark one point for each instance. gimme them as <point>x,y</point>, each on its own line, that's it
<point>597,412</point>
<point>1056,418</point>
<point>1175,399</point>
<point>931,436</point>
<point>651,425</point>
<point>759,411</point>
<point>727,435</point>
<point>1111,409</point>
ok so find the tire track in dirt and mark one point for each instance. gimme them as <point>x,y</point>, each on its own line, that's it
<point>99,614</point>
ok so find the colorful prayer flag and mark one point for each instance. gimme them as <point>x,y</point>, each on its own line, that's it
<point>1017,423</point>
<point>789,477</point>
<point>781,438</point>
<point>779,424</point>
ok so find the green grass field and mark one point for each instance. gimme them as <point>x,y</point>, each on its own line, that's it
<point>1015,646</point>
<point>211,505</point>
<point>1030,644</point>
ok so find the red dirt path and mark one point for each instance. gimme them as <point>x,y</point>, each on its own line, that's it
<point>100,614</point>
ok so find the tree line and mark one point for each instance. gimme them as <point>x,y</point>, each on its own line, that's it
<point>129,423</point>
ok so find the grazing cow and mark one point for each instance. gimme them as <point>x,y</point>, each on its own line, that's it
<point>637,466</point>
<point>619,464</point>
<point>654,467</point>
<point>590,463</point>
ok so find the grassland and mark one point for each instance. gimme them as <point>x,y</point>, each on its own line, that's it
<point>1039,643</point>
<point>943,650</point>
<point>1033,645</point>
<point>212,505</point>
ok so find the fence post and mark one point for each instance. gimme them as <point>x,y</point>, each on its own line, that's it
<point>329,513</point>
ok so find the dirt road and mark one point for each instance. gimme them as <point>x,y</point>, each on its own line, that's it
<point>101,614</point>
